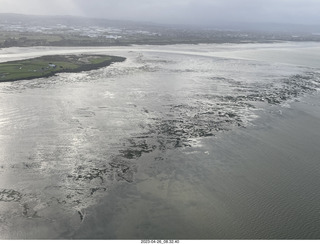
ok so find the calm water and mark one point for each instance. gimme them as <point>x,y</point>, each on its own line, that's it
<point>184,141</point>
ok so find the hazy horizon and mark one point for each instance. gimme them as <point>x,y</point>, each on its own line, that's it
<point>189,12</point>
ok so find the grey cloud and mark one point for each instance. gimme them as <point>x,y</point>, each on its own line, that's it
<point>176,11</point>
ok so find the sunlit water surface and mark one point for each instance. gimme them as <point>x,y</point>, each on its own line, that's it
<point>172,143</point>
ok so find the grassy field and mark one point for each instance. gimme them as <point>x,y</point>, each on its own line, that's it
<point>50,65</point>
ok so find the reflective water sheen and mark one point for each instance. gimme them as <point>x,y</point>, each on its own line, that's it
<point>184,142</point>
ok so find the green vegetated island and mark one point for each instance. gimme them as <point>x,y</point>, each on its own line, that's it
<point>47,66</point>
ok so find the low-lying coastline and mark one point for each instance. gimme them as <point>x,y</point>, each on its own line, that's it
<point>47,66</point>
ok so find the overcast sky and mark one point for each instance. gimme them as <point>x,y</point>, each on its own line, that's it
<point>206,12</point>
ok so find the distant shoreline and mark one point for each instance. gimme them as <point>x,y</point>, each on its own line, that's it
<point>47,66</point>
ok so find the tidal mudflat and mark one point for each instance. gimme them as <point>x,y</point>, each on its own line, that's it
<point>176,142</point>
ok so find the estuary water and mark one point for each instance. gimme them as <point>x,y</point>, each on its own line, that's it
<point>211,141</point>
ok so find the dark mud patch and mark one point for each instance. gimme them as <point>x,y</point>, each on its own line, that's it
<point>279,91</point>
<point>9,195</point>
<point>28,211</point>
<point>135,147</point>
<point>206,115</point>
<point>83,173</point>
<point>116,168</point>
<point>89,180</point>
<point>27,203</point>
<point>81,214</point>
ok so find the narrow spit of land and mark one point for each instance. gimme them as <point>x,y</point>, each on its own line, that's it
<point>47,66</point>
